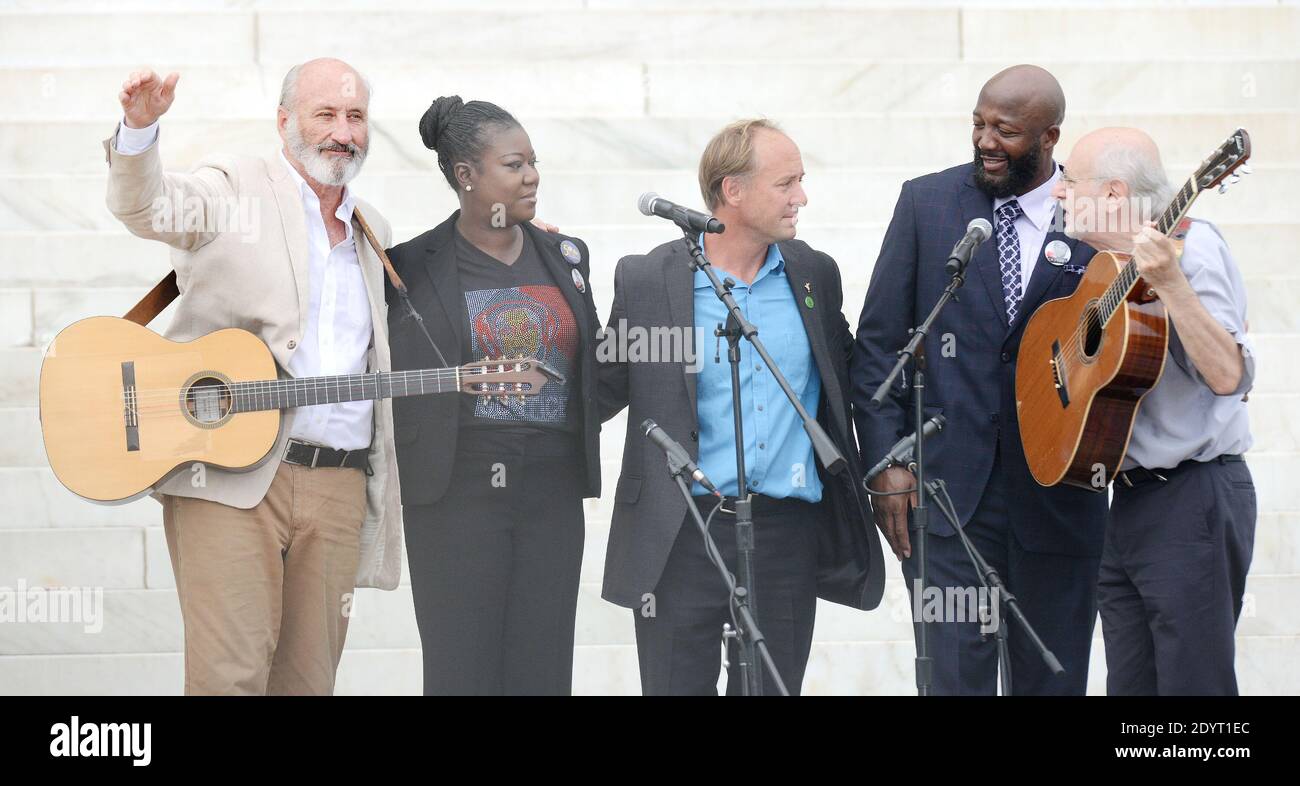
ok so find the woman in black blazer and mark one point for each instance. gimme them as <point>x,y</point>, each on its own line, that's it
<point>492,491</point>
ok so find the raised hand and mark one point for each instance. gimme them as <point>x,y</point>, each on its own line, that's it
<point>145,97</point>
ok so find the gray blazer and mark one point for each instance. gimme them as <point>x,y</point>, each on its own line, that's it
<point>656,290</point>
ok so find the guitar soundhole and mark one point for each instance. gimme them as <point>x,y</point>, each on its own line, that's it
<point>206,401</point>
<point>1092,333</point>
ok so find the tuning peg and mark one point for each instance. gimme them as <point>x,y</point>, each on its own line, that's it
<point>1223,187</point>
<point>1234,180</point>
<point>1245,169</point>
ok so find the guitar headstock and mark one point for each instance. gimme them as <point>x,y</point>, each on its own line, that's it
<point>505,378</point>
<point>1221,167</point>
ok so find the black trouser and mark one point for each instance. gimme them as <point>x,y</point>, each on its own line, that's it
<point>679,631</point>
<point>1172,578</point>
<point>494,570</point>
<point>1056,592</point>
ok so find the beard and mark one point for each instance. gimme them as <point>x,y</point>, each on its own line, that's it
<point>323,169</point>
<point>1020,174</point>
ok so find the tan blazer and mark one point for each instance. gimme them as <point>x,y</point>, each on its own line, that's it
<point>241,261</point>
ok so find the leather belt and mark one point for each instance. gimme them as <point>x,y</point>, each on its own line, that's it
<point>761,504</point>
<point>308,455</point>
<point>1139,475</point>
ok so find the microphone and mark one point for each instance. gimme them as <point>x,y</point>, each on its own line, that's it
<point>977,231</point>
<point>901,453</point>
<point>651,204</point>
<point>677,455</point>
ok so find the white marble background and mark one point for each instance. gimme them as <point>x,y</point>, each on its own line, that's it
<point>874,92</point>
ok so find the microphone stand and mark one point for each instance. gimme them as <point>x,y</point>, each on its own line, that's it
<point>937,490</point>
<point>737,327</point>
<point>750,639</point>
<point>993,585</point>
<point>920,513</point>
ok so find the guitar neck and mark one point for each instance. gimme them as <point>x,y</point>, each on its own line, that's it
<point>310,391</point>
<point>1123,284</point>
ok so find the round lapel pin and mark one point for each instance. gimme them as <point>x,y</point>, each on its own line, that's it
<point>571,253</point>
<point>578,282</point>
<point>1057,252</point>
<point>808,301</point>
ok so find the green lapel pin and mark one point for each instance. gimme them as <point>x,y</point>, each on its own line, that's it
<point>808,301</point>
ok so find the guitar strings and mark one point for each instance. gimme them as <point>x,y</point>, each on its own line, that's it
<point>154,400</point>
<point>255,387</point>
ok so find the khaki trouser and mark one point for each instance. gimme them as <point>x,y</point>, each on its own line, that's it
<point>264,592</point>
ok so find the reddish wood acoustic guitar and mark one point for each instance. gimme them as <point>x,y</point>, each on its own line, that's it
<point>1086,360</point>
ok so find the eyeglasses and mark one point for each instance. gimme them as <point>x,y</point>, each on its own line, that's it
<point>1069,181</point>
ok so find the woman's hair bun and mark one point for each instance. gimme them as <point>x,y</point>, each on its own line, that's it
<point>436,119</point>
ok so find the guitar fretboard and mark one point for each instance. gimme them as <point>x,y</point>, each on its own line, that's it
<point>309,391</point>
<point>1119,289</point>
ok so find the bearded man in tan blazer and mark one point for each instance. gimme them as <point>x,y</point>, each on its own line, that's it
<point>266,561</point>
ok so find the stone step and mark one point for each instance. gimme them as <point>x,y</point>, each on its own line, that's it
<point>211,37</point>
<point>273,34</point>
<point>924,142</point>
<point>37,500</point>
<point>1279,377</point>
<point>798,88</point>
<point>100,620</point>
<point>523,36</point>
<point>1264,667</point>
<point>625,88</point>
<point>60,259</point>
<point>836,196</point>
<point>105,558</point>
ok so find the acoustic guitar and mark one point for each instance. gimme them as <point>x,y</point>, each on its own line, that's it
<point>1087,360</point>
<point>123,408</point>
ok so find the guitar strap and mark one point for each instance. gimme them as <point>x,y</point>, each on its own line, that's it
<point>165,291</point>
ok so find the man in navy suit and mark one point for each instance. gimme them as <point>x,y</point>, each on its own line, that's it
<point>1044,542</point>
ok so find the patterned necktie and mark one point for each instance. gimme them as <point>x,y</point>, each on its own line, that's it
<point>1009,256</point>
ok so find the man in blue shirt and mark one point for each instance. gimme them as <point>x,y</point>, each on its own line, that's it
<point>813,537</point>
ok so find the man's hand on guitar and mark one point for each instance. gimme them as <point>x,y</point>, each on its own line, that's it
<point>891,512</point>
<point>145,97</point>
<point>1157,260</point>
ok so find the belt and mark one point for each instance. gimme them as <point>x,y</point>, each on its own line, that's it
<point>309,455</point>
<point>1139,475</point>
<point>760,504</point>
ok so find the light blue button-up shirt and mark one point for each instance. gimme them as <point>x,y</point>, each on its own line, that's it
<point>1182,418</point>
<point>779,459</point>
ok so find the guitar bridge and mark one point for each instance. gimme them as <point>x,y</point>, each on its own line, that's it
<point>130,411</point>
<point>1058,374</point>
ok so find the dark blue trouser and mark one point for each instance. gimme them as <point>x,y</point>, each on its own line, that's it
<point>1057,593</point>
<point>1172,578</point>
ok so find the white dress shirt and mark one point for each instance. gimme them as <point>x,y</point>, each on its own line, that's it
<point>1037,207</point>
<point>338,330</point>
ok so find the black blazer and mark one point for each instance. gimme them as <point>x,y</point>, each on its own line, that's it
<point>426,427</point>
<point>657,290</point>
<point>970,362</point>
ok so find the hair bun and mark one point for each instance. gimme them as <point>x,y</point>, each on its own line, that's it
<point>437,117</point>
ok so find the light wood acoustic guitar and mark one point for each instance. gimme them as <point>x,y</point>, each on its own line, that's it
<point>123,408</point>
<point>1087,360</point>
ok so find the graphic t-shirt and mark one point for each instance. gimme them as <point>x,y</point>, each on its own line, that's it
<point>518,310</point>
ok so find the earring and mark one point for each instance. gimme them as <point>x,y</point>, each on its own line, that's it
<point>469,187</point>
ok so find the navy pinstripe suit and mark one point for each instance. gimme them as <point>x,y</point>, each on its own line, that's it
<point>1045,542</point>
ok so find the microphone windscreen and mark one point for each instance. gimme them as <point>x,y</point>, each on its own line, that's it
<point>646,202</point>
